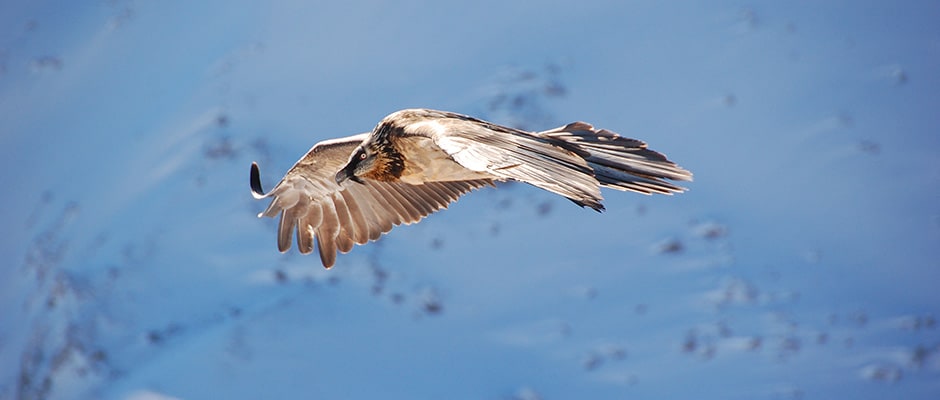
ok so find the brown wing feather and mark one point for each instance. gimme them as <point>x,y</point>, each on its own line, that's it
<point>326,235</point>
<point>334,218</point>
<point>357,218</point>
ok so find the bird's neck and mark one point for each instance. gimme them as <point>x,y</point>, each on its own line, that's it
<point>389,161</point>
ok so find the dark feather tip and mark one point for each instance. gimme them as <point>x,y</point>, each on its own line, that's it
<point>256,190</point>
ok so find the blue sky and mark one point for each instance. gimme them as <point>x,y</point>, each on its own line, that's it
<point>809,239</point>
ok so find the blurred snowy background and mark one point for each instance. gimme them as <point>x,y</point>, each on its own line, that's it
<point>804,263</point>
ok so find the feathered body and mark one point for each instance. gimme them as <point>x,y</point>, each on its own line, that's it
<point>417,161</point>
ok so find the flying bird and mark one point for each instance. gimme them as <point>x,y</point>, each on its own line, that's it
<point>352,190</point>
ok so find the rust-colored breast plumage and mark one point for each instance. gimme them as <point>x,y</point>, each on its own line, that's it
<point>389,161</point>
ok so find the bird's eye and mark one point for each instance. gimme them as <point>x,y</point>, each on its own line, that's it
<point>362,155</point>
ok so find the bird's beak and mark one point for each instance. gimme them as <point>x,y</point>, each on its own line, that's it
<point>347,173</point>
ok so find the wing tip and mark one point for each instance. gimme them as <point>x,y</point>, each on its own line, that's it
<point>257,191</point>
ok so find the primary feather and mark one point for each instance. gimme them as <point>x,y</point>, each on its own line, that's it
<point>418,161</point>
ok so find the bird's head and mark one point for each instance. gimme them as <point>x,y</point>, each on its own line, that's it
<point>358,164</point>
<point>372,160</point>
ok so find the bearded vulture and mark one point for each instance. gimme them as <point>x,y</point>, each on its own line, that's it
<point>352,190</point>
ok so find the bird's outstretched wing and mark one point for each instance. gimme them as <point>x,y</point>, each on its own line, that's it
<point>312,204</point>
<point>573,160</point>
